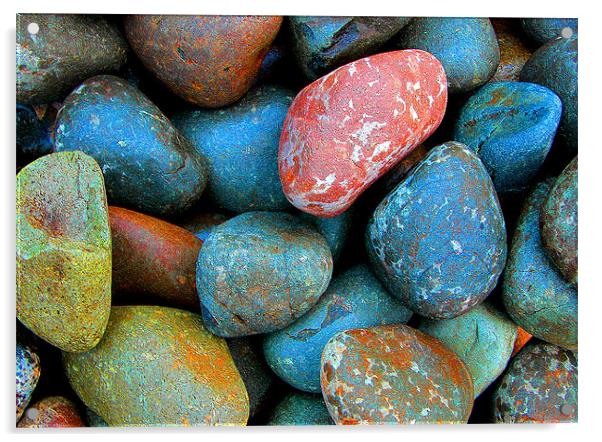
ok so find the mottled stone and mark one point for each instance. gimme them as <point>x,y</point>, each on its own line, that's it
<point>240,144</point>
<point>208,60</point>
<point>153,260</point>
<point>63,250</point>
<point>555,66</point>
<point>51,412</point>
<point>535,294</point>
<point>27,376</point>
<point>354,299</point>
<point>260,271</point>
<point>559,222</point>
<point>438,240</point>
<point>542,30</point>
<point>34,132</point>
<point>511,127</point>
<point>514,53</point>
<point>522,337</point>
<point>147,164</point>
<point>67,49</point>
<point>335,230</point>
<point>466,47</point>
<point>254,371</point>
<point>394,374</point>
<point>483,338</point>
<point>301,409</point>
<point>540,386</point>
<point>348,128</point>
<point>158,366</point>
<point>322,44</point>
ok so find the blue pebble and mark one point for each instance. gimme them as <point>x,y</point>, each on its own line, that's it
<point>535,294</point>
<point>542,30</point>
<point>33,134</point>
<point>355,299</point>
<point>466,47</point>
<point>240,144</point>
<point>511,126</point>
<point>301,409</point>
<point>555,66</point>
<point>438,240</point>
<point>335,230</point>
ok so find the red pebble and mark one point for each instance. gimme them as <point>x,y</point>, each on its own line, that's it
<point>348,128</point>
<point>51,412</point>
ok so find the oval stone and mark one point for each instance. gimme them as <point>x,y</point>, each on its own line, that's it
<point>466,47</point>
<point>511,127</point>
<point>240,144</point>
<point>394,374</point>
<point>147,164</point>
<point>514,53</point>
<point>321,44</point>
<point>260,271</point>
<point>301,409</point>
<point>67,49</point>
<point>52,412</point>
<point>542,30</point>
<point>483,338</point>
<point>540,385</point>
<point>158,366</point>
<point>354,299</point>
<point>27,375</point>
<point>63,250</point>
<point>535,294</point>
<point>555,66</point>
<point>348,128</point>
<point>208,60</point>
<point>438,240</point>
<point>559,222</point>
<point>153,260</point>
<point>335,230</point>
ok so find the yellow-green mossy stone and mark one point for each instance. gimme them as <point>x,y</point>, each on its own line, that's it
<point>159,366</point>
<point>63,250</point>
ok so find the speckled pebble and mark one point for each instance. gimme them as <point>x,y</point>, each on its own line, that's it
<point>28,373</point>
<point>301,409</point>
<point>535,294</point>
<point>438,240</point>
<point>483,338</point>
<point>511,126</point>
<point>394,374</point>
<point>259,272</point>
<point>354,299</point>
<point>540,386</point>
<point>51,412</point>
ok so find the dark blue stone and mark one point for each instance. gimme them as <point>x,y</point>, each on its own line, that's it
<point>33,134</point>
<point>335,230</point>
<point>542,30</point>
<point>301,409</point>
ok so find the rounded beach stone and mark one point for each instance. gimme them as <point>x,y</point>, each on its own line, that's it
<point>299,408</point>
<point>559,222</point>
<point>202,223</point>
<point>63,250</point>
<point>67,49</point>
<point>153,260</point>
<point>94,420</point>
<point>511,127</point>
<point>555,66</point>
<point>260,271</point>
<point>394,374</point>
<point>438,240</point>
<point>27,375</point>
<point>348,128</point>
<point>147,164</point>
<point>240,144</point>
<point>354,299</point>
<point>34,132</point>
<point>51,412</point>
<point>466,47</point>
<point>535,294</point>
<point>513,51</point>
<point>540,386</point>
<point>210,61</point>
<point>483,338</point>
<point>542,30</point>
<point>335,230</point>
<point>321,44</point>
<point>158,366</point>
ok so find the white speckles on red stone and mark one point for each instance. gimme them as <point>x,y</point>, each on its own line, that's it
<point>346,129</point>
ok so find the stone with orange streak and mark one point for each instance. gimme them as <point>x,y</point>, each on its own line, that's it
<point>153,260</point>
<point>514,52</point>
<point>51,412</point>
<point>211,61</point>
<point>522,337</point>
<point>394,374</point>
<point>348,128</point>
<point>159,366</point>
